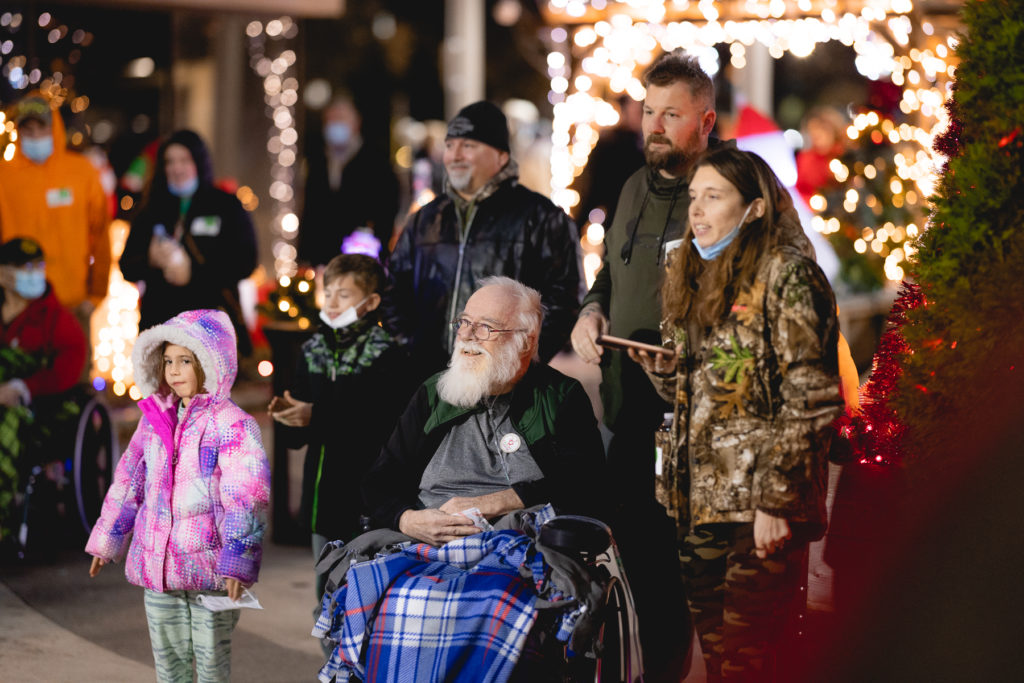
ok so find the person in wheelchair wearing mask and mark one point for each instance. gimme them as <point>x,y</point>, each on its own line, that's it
<point>42,354</point>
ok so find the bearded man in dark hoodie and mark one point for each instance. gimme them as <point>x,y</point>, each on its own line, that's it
<point>678,116</point>
<point>485,224</point>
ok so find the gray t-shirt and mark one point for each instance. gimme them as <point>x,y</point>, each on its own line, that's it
<point>483,455</point>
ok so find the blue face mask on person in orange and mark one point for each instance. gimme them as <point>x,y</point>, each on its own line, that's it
<point>37,149</point>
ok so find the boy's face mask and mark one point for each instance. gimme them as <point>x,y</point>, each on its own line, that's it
<point>343,319</point>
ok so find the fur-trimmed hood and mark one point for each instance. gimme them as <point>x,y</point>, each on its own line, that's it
<point>206,333</point>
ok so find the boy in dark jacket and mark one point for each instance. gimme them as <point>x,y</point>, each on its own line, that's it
<point>350,388</point>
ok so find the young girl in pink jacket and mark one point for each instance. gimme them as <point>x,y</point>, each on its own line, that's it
<point>190,495</point>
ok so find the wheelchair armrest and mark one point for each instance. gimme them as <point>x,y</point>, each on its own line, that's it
<point>577,534</point>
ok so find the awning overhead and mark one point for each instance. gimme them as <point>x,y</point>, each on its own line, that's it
<point>295,8</point>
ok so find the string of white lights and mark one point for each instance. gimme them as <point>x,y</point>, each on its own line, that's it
<point>273,60</point>
<point>602,46</point>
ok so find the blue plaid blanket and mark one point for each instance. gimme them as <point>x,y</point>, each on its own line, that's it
<point>460,612</point>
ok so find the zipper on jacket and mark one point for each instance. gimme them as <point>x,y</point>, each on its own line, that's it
<point>179,430</point>
<point>323,447</point>
<point>316,488</point>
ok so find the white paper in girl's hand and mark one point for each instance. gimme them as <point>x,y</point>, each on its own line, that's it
<point>219,603</point>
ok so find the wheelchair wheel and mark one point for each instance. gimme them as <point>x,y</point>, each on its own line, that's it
<point>613,642</point>
<point>95,457</point>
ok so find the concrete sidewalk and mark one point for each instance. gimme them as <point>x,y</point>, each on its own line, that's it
<point>35,648</point>
<point>58,624</point>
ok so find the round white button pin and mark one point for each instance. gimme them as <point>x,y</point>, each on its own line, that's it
<point>510,443</point>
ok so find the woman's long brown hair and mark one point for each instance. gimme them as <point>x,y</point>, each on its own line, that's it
<point>704,290</point>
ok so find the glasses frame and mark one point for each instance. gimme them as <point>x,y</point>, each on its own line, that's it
<point>458,323</point>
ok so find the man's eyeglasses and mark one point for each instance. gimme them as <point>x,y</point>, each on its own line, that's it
<point>478,331</point>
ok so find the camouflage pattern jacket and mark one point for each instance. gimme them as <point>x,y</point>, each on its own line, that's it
<point>754,401</point>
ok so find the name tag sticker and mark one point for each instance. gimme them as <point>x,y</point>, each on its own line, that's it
<point>59,196</point>
<point>205,226</point>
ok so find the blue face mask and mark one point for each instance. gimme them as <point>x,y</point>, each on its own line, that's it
<point>337,133</point>
<point>37,149</point>
<point>31,284</point>
<point>710,253</point>
<point>185,189</point>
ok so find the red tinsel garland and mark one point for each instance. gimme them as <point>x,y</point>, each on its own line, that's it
<point>876,433</point>
<point>948,143</point>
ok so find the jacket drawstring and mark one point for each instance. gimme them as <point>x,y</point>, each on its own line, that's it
<point>668,218</point>
<point>627,248</point>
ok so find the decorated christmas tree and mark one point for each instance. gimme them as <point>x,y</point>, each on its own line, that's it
<point>871,212</point>
<point>291,301</point>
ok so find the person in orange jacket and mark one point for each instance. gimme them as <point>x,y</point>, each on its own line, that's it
<point>54,196</point>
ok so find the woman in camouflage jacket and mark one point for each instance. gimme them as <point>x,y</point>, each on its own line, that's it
<point>755,387</point>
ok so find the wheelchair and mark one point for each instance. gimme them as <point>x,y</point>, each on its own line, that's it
<point>612,653</point>
<point>566,643</point>
<point>66,473</point>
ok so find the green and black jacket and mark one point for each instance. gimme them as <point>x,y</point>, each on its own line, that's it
<point>550,411</point>
<point>356,380</point>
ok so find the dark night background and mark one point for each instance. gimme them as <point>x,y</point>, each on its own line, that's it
<point>396,76</point>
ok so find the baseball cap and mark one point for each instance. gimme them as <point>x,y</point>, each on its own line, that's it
<point>33,107</point>
<point>19,251</point>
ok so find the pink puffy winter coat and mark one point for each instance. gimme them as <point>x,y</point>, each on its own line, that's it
<point>190,497</point>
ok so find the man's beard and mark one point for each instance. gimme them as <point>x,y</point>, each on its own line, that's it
<point>469,379</point>
<point>460,177</point>
<point>673,160</point>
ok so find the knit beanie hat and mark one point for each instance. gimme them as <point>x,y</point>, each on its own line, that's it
<point>481,121</point>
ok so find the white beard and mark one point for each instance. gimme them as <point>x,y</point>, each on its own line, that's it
<point>460,178</point>
<point>469,378</point>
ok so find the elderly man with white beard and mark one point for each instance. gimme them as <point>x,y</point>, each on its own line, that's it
<point>496,431</point>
